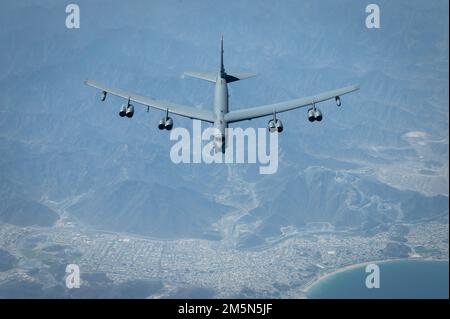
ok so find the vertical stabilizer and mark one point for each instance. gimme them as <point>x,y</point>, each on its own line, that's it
<point>222,68</point>
<point>212,77</point>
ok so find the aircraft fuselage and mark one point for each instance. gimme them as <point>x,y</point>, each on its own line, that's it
<point>220,109</point>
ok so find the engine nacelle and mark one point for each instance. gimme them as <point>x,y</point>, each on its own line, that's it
<point>169,124</point>
<point>275,126</point>
<point>271,126</point>
<point>130,111</point>
<point>279,125</point>
<point>318,115</point>
<point>338,101</point>
<point>311,115</point>
<point>123,111</point>
<point>162,123</point>
<point>103,96</point>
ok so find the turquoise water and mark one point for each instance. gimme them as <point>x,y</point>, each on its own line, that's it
<point>398,279</point>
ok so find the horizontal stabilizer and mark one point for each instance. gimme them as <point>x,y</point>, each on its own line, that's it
<point>232,77</point>
<point>211,77</point>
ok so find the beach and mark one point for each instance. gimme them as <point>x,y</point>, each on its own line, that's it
<point>324,276</point>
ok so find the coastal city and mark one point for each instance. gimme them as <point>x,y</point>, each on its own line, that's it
<point>285,268</point>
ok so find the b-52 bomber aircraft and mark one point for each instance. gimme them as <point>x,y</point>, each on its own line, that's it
<point>221,116</point>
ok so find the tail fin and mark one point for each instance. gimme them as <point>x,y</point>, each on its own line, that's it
<point>222,68</point>
<point>212,77</point>
<point>231,77</point>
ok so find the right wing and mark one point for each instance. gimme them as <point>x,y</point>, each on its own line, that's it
<point>260,111</point>
<point>186,111</point>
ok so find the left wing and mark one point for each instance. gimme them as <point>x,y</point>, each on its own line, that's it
<point>186,111</point>
<point>260,111</point>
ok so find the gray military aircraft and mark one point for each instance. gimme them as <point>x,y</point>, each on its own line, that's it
<point>220,117</point>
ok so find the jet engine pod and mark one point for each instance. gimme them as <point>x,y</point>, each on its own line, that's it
<point>279,125</point>
<point>311,115</point>
<point>123,111</point>
<point>162,123</point>
<point>130,111</point>
<point>271,126</point>
<point>103,96</point>
<point>338,101</point>
<point>318,115</point>
<point>169,124</point>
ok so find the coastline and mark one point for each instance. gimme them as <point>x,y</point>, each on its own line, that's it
<point>324,276</point>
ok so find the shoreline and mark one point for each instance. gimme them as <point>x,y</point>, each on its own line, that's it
<point>324,276</point>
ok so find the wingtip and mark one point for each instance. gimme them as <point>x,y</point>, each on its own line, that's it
<point>355,87</point>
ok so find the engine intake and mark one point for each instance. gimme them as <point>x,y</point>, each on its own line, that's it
<point>311,115</point>
<point>165,123</point>
<point>315,114</point>
<point>129,111</point>
<point>279,125</point>
<point>123,111</point>
<point>169,124</point>
<point>271,126</point>
<point>275,125</point>
<point>318,115</point>
<point>162,123</point>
